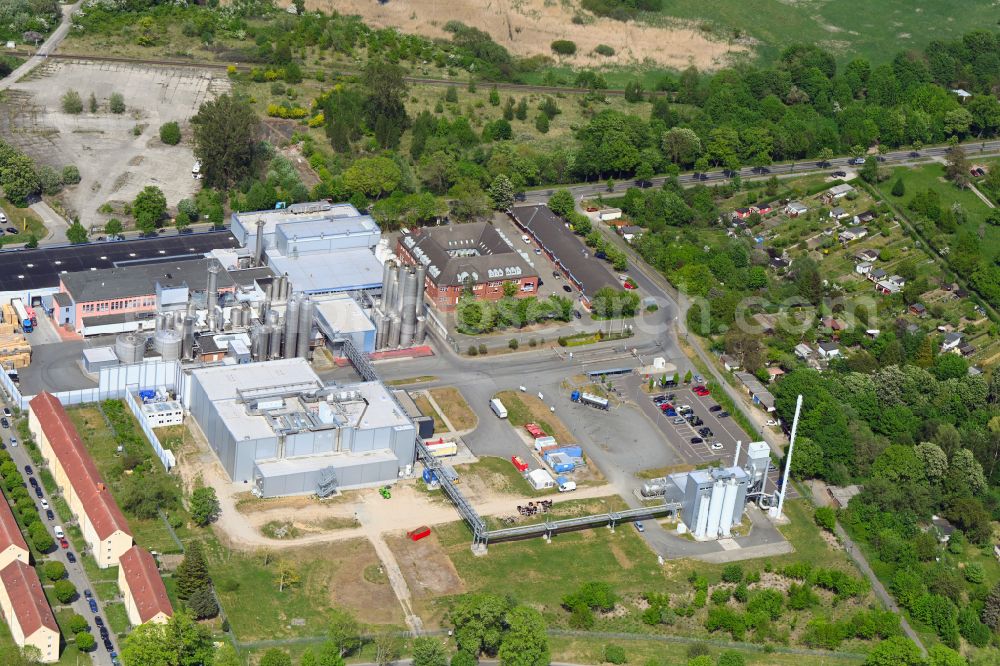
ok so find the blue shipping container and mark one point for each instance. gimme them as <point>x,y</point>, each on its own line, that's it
<point>147,395</point>
<point>558,468</point>
<point>429,476</point>
<point>571,451</point>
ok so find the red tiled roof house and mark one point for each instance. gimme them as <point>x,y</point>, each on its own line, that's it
<point>27,612</point>
<point>140,583</point>
<point>103,525</point>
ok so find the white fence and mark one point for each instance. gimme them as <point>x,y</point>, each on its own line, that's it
<point>117,383</point>
<point>166,456</point>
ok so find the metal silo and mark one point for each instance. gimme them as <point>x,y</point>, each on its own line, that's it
<point>305,328</point>
<point>409,308</point>
<point>274,343</point>
<point>130,347</point>
<point>386,278</point>
<point>381,330</point>
<point>418,335</point>
<point>263,342</point>
<point>236,317</point>
<point>291,326</point>
<point>187,344</point>
<point>421,285</point>
<point>169,344</point>
<point>161,321</point>
<point>255,341</point>
<point>212,297</point>
<point>392,286</point>
<point>392,340</point>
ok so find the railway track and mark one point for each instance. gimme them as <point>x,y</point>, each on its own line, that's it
<point>246,67</point>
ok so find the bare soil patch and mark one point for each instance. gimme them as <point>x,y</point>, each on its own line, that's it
<point>528,27</point>
<point>428,571</point>
<point>372,603</point>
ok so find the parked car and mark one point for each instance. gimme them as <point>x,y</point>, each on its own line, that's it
<point>28,470</point>
<point>38,492</point>
<point>13,441</point>
<point>679,421</point>
<point>87,594</point>
<point>70,557</point>
<point>49,514</point>
<point>4,422</point>
<point>63,544</point>
<point>697,440</point>
<point>32,481</point>
<point>7,412</point>
<point>99,621</point>
<point>716,446</point>
<point>568,289</point>
<point>723,415</point>
<point>705,432</point>
<point>856,161</point>
<point>576,313</point>
<point>715,408</point>
<point>45,503</point>
<point>839,174</point>
<point>638,526</point>
<point>92,604</point>
<point>771,423</point>
<point>58,531</point>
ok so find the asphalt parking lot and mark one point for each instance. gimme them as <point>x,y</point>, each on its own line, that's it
<point>725,431</point>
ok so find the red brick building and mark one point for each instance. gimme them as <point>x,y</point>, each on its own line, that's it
<point>462,257</point>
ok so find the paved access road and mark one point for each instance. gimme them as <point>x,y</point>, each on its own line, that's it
<point>47,47</point>
<point>75,572</point>
<point>894,158</point>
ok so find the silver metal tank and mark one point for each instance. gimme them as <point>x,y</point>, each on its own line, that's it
<point>130,347</point>
<point>421,285</point>
<point>386,272</point>
<point>168,320</point>
<point>258,251</point>
<point>381,330</point>
<point>421,332</point>
<point>392,341</point>
<point>236,317</point>
<point>291,326</point>
<point>187,344</point>
<point>161,320</point>
<point>219,319</point>
<point>212,297</point>
<point>274,344</point>
<point>169,344</point>
<point>254,341</point>
<point>409,308</point>
<point>305,328</point>
<point>264,342</point>
<point>273,317</point>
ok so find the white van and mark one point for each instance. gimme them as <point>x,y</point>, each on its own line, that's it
<point>59,531</point>
<point>526,238</point>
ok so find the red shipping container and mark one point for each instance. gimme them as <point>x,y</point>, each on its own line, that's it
<point>534,430</point>
<point>519,464</point>
<point>419,533</point>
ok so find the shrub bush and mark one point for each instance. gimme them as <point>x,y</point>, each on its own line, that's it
<point>563,47</point>
<point>170,133</point>
<point>614,654</point>
<point>70,175</point>
<point>604,50</point>
<point>71,102</point>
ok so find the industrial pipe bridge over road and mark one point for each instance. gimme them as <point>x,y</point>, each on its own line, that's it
<point>480,534</point>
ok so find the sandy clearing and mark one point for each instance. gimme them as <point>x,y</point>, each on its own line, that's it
<point>527,27</point>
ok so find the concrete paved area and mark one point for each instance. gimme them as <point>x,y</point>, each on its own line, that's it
<point>114,163</point>
<point>54,222</point>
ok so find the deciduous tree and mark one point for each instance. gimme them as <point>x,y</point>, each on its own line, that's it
<point>225,138</point>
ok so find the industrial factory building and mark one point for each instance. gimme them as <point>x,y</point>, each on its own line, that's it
<point>278,427</point>
<point>460,257</point>
<point>321,247</point>
<point>713,500</point>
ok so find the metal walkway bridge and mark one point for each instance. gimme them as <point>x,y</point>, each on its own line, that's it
<point>480,534</point>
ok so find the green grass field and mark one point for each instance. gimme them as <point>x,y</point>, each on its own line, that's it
<point>849,28</point>
<point>931,176</point>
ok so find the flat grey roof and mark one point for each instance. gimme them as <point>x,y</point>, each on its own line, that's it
<point>565,248</point>
<point>100,355</point>
<point>141,279</point>
<point>222,382</point>
<point>343,315</point>
<point>342,270</point>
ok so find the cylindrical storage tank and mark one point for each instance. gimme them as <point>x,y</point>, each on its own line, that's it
<point>394,325</point>
<point>305,328</point>
<point>273,317</point>
<point>379,330</point>
<point>219,321</point>
<point>409,312</point>
<point>418,336</point>
<point>269,292</point>
<point>187,344</point>
<point>264,342</point>
<point>702,524</point>
<point>161,322</point>
<point>421,285</point>
<point>168,320</point>
<point>255,342</point>
<point>292,327</point>
<point>715,509</point>
<point>397,292</point>
<point>130,347</point>
<point>728,506</point>
<point>169,344</point>
<point>236,317</point>
<point>274,345</point>
<point>386,272</point>
<point>389,297</point>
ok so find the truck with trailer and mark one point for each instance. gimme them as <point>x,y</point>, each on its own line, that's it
<point>498,408</point>
<point>23,318</point>
<point>589,399</point>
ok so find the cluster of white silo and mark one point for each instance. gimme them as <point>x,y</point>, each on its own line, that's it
<point>716,510</point>
<point>400,319</point>
<point>276,337</point>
